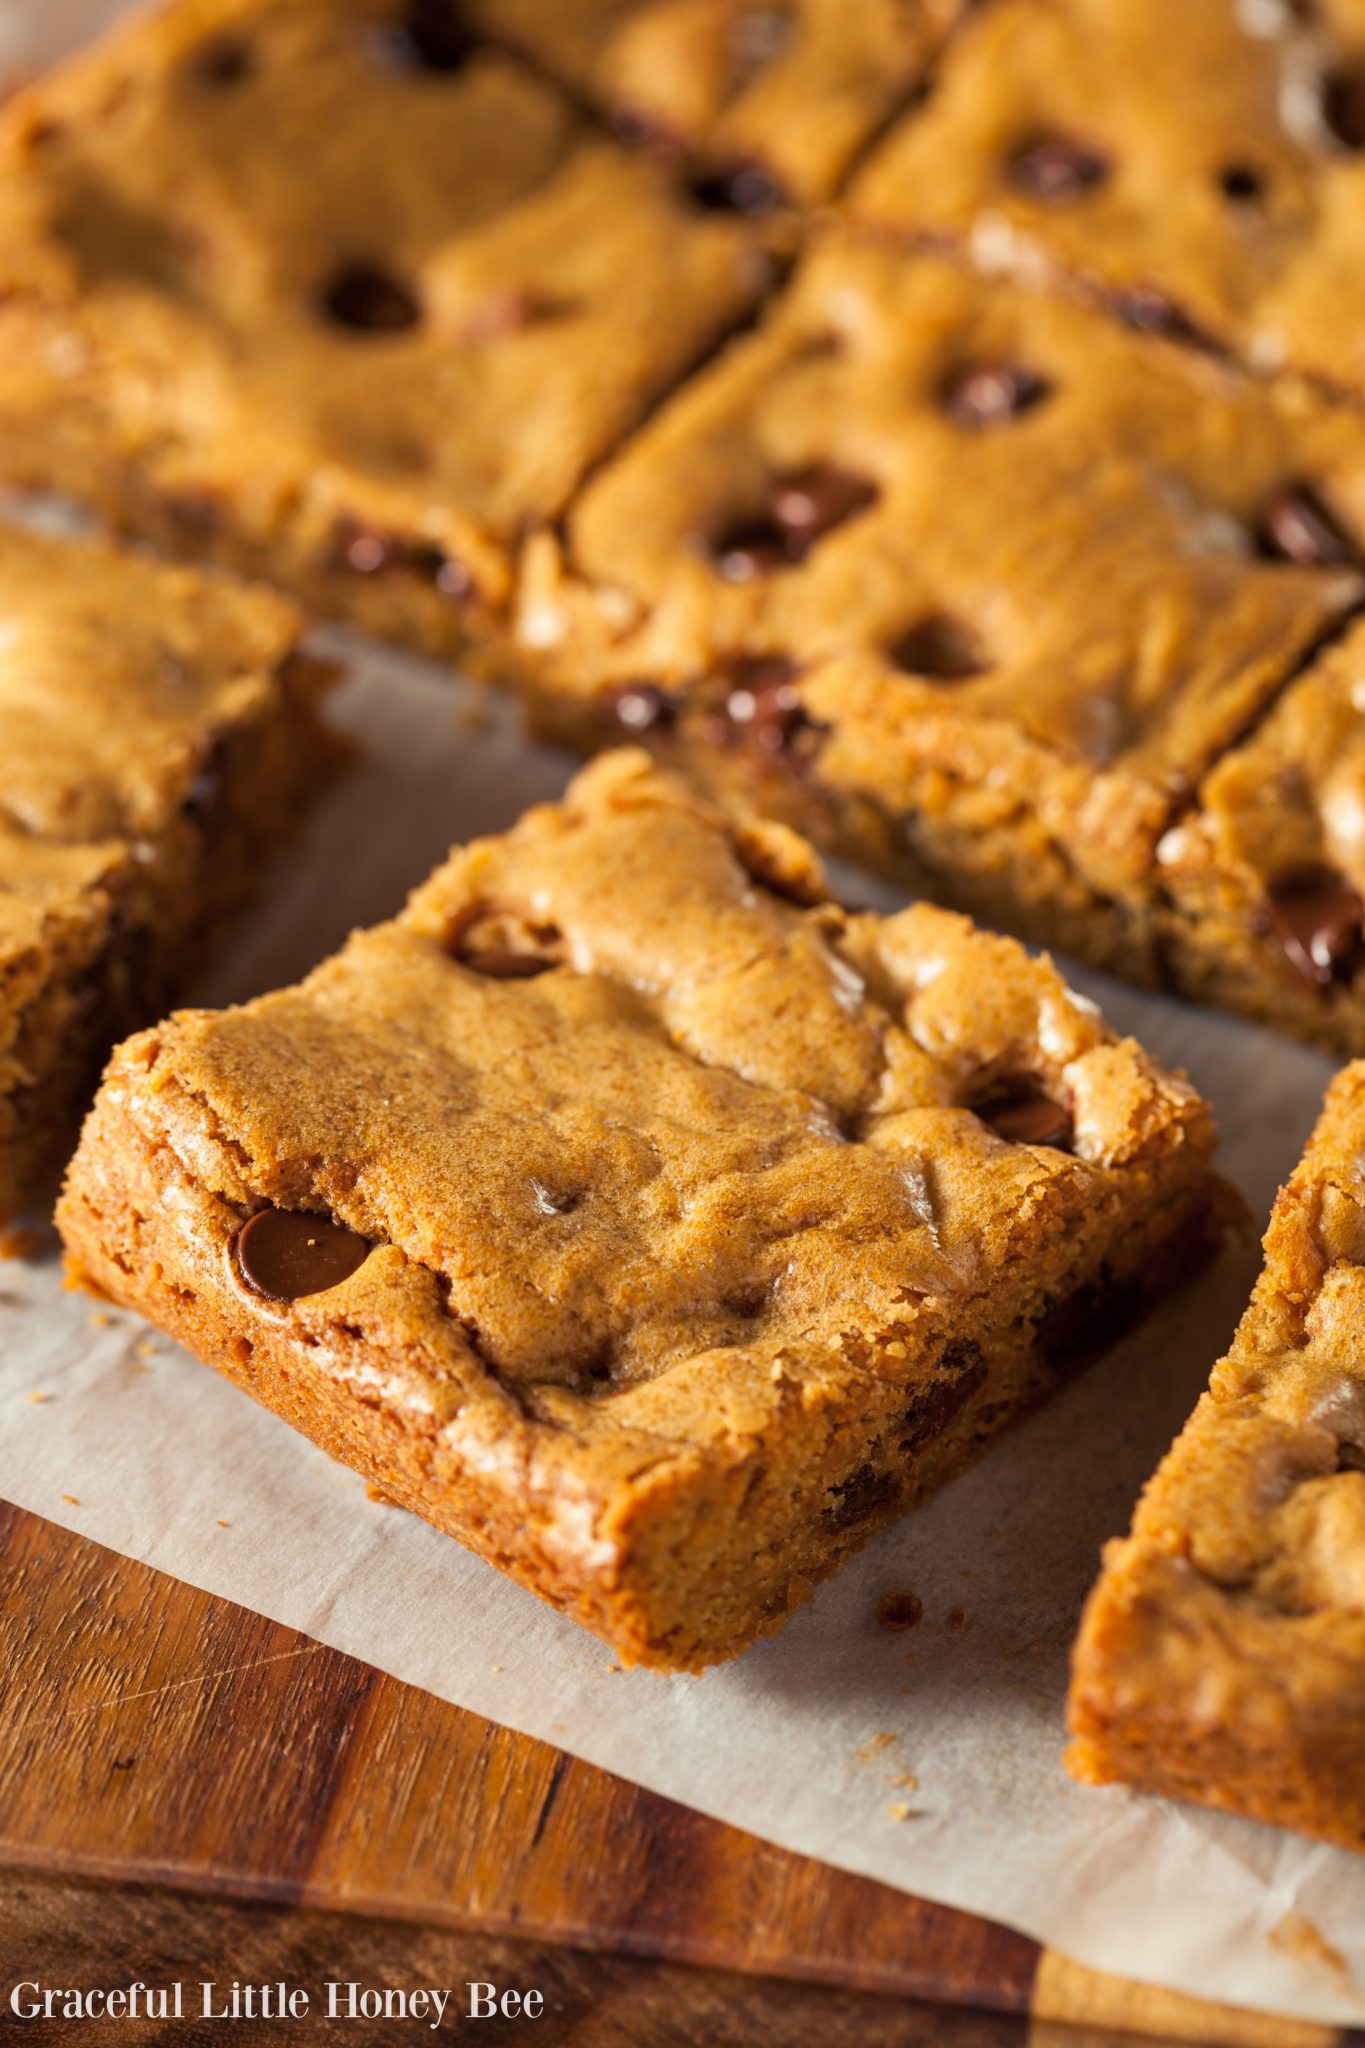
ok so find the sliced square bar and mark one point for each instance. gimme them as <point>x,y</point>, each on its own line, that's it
<point>1222,1655</point>
<point>1263,879</point>
<point>332,292</point>
<point>157,736</point>
<point>1198,166</point>
<point>640,1217</point>
<point>967,582</point>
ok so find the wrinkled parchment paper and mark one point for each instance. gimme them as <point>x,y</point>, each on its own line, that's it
<point>810,1740</point>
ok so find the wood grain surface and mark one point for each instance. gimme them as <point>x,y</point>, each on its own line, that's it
<point>156,1737</point>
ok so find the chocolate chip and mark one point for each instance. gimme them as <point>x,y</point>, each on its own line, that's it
<point>1297,527</point>
<point>204,796</point>
<point>959,1372</point>
<point>1143,307</point>
<point>808,503</point>
<point>511,312</point>
<point>368,299</point>
<point>285,1254</point>
<point>992,394</point>
<point>867,1492</point>
<point>197,515</point>
<point>900,1610</point>
<point>428,35</point>
<point>745,187</point>
<point>368,553</point>
<point>1343,107</point>
<point>1350,1457</point>
<point>1021,1112</point>
<point>1243,184</point>
<point>751,548</point>
<point>644,130</point>
<point>221,60</point>
<point>500,963</point>
<point>643,707</point>
<point>804,506</point>
<point>503,945</point>
<point>1318,918</point>
<point>764,703</point>
<point>941,647</point>
<point>1058,169</point>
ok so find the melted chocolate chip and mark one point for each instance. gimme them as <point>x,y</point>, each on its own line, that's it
<point>992,394</point>
<point>643,707</point>
<point>512,311</point>
<point>745,187</point>
<point>1058,169</point>
<point>941,647</point>
<point>286,1254</point>
<point>644,130</point>
<point>500,963</point>
<point>1297,527</point>
<point>503,945</point>
<point>1343,107</point>
<point>1318,918</point>
<point>1243,184</point>
<point>362,297</point>
<point>958,1374</point>
<point>1021,1112</point>
<point>427,36</point>
<point>805,505</point>
<point>809,503</point>
<point>764,703</point>
<point>866,1493</point>
<point>1149,311</point>
<point>220,61</point>
<point>368,553</point>
<point>203,798</point>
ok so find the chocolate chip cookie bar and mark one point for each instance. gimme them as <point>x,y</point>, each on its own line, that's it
<point>766,101</point>
<point>964,580</point>
<point>333,292</point>
<point>157,735</point>
<point>1263,880</point>
<point>1201,167</point>
<point>640,1217</point>
<point>1222,1655</point>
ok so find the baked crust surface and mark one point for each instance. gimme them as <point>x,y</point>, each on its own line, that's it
<point>1222,1654</point>
<point>306,287</point>
<point>695,1251</point>
<point>1199,167</point>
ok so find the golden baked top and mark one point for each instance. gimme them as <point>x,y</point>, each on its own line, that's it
<point>623,1088</point>
<point>1199,160</point>
<point>944,501</point>
<point>770,98</point>
<point>337,257</point>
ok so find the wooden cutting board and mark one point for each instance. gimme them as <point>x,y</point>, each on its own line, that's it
<point>152,1734</point>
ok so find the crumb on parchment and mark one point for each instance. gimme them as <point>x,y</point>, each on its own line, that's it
<point>900,1809</point>
<point>1298,1937</point>
<point>900,1609</point>
<point>71,1500</point>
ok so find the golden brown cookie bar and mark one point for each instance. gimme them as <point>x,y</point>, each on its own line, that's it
<point>327,290</point>
<point>1201,165</point>
<point>1264,879</point>
<point>157,734</point>
<point>964,580</point>
<point>638,1216</point>
<point>769,100</point>
<point>1222,1654</point>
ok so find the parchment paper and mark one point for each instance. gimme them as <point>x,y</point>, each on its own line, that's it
<point>804,1739</point>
